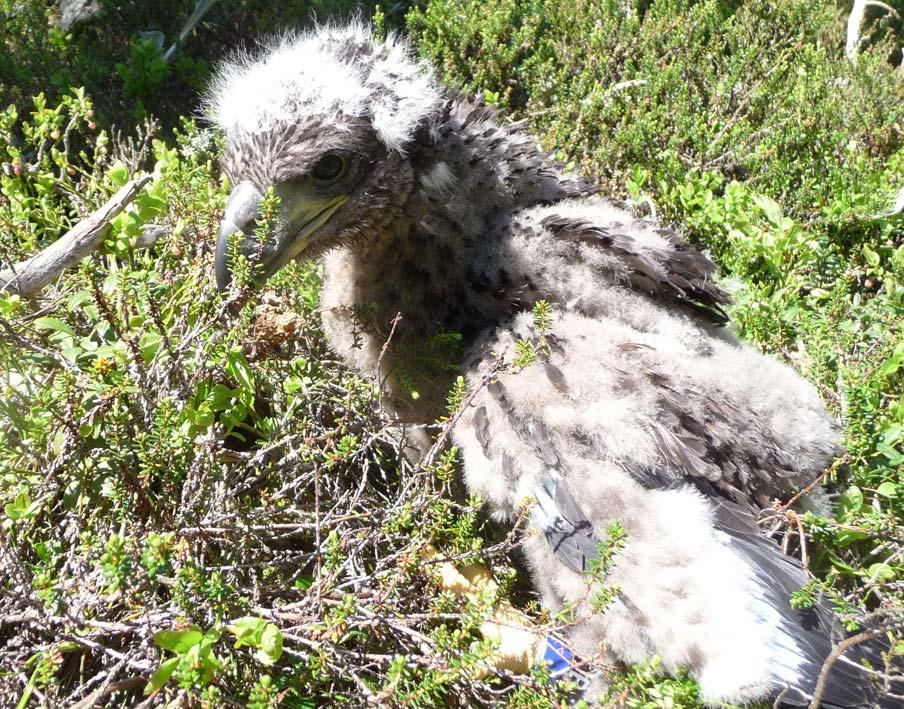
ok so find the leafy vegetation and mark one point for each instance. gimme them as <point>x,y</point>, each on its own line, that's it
<point>177,470</point>
<point>201,506</point>
<point>117,54</point>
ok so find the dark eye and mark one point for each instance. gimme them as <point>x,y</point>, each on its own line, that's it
<point>330,167</point>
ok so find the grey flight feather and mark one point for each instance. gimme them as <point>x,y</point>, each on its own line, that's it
<point>637,405</point>
<point>568,531</point>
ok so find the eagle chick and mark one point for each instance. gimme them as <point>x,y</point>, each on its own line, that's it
<point>623,401</point>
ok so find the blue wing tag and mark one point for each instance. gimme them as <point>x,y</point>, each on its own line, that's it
<point>557,656</point>
<point>560,660</point>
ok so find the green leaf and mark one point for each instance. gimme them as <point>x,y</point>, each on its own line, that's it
<point>271,644</point>
<point>895,362</point>
<point>162,675</point>
<point>55,324</point>
<point>872,258</point>
<point>29,688</point>
<point>148,344</point>
<point>846,537</point>
<point>303,582</point>
<point>770,208</point>
<point>248,631</point>
<point>851,499</point>
<point>178,641</point>
<point>237,367</point>
<point>150,207</point>
<point>887,489</point>
<point>77,299</point>
<point>118,174</point>
<point>220,397</point>
<point>18,508</point>
<point>881,571</point>
<point>257,633</point>
<point>890,444</point>
<point>58,441</point>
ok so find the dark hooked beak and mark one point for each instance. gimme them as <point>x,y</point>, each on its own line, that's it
<point>302,215</point>
<point>240,216</point>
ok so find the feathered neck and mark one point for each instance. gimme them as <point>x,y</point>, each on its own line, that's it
<point>471,172</point>
<point>470,168</point>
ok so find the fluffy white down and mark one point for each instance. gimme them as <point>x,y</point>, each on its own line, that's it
<point>303,76</point>
<point>685,596</point>
<point>688,595</point>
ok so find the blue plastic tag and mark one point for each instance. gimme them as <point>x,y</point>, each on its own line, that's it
<point>557,656</point>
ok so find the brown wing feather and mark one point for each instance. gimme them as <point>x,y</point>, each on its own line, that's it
<point>681,273</point>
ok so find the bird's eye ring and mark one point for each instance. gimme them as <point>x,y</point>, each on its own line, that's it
<point>329,168</point>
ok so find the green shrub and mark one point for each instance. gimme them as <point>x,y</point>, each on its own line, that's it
<point>110,53</point>
<point>197,487</point>
<point>756,92</point>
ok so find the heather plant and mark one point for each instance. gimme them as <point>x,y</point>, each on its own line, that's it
<point>200,506</point>
<point>119,53</point>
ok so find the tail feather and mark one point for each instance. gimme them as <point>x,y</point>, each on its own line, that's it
<point>811,633</point>
<point>815,630</point>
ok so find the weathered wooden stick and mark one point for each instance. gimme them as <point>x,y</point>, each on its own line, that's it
<point>31,275</point>
<point>855,20</point>
<point>899,202</point>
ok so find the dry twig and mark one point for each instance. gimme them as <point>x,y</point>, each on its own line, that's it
<point>33,274</point>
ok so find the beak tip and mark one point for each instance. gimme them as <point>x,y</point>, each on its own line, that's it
<point>223,281</point>
<point>221,262</point>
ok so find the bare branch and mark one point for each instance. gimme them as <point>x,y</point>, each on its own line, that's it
<point>33,274</point>
<point>855,21</point>
<point>836,653</point>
